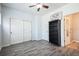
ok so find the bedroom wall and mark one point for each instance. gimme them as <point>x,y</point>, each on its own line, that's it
<point>75,26</point>
<point>66,10</point>
<point>37,27</point>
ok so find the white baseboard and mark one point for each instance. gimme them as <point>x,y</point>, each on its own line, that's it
<point>5,45</point>
<point>77,41</point>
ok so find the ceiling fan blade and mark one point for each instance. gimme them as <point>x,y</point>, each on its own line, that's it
<point>34,5</point>
<point>45,6</point>
<point>38,9</point>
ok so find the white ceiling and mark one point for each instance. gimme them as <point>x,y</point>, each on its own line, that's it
<point>24,7</point>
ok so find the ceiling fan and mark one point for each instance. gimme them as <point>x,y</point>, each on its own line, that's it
<point>39,6</point>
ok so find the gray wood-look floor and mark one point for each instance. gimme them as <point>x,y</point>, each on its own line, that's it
<point>40,48</point>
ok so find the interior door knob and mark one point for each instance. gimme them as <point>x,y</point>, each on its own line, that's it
<point>10,32</point>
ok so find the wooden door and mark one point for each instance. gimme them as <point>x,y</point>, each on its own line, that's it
<point>67,23</point>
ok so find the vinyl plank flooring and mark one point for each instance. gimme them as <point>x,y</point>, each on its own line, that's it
<point>40,48</point>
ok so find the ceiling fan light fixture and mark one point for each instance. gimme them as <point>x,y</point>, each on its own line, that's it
<point>39,6</point>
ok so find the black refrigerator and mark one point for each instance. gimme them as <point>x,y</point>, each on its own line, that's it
<point>55,32</point>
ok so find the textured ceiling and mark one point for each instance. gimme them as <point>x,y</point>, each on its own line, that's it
<point>24,7</point>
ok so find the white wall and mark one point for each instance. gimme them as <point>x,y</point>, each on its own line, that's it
<point>8,13</point>
<point>75,26</point>
<point>0,26</point>
<point>36,27</point>
<point>68,9</point>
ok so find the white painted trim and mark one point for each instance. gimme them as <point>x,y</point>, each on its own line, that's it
<point>6,45</point>
<point>76,41</point>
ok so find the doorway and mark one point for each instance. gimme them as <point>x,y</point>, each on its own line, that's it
<point>71,28</point>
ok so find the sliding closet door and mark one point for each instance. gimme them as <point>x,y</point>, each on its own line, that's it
<point>26,30</point>
<point>16,31</point>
